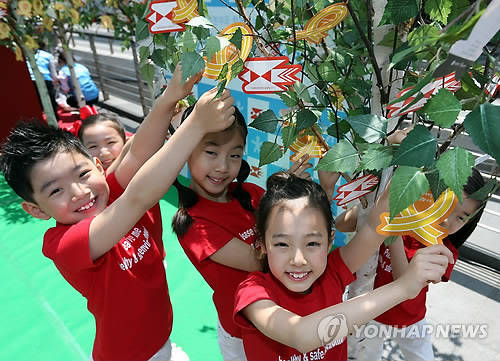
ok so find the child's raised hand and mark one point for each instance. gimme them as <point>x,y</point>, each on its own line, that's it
<point>213,115</point>
<point>398,136</point>
<point>176,90</point>
<point>300,166</point>
<point>427,265</point>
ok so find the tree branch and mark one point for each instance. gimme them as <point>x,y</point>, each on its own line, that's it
<point>369,47</point>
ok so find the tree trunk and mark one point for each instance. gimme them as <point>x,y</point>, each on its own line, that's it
<point>42,88</point>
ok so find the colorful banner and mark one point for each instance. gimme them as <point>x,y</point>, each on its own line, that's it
<point>422,219</point>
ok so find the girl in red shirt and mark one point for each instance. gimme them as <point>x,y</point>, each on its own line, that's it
<point>215,222</point>
<point>295,310</point>
<point>407,319</point>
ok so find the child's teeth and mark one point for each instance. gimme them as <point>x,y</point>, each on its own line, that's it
<point>90,204</point>
<point>298,275</point>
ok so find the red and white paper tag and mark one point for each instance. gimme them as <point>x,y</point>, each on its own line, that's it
<point>355,189</point>
<point>268,74</point>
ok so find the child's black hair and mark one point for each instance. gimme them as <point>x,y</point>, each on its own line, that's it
<point>99,118</point>
<point>474,183</point>
<point>188,198</point>
<point>26,145</point>
<point>283,186</point>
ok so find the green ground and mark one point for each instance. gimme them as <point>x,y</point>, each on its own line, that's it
<point>44,318</point>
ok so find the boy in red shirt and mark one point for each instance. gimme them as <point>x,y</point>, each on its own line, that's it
<point>106,243</point>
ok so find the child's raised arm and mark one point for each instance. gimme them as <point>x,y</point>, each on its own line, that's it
<point>153,130</point>
<point>367,240</point>
<point>308,333</point>
<point>156,176</point>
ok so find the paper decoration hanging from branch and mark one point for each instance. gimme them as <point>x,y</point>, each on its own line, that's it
<point>309,145</point>
<point>168,15</point>
<point>355,189</point>
<point>422,219</point>
<point>316,29</point>
<point>400,108</point>
<point>229,54</point>
<point>268,74</point>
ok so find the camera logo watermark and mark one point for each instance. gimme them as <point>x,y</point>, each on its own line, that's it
<point>332,327</point>
<point>378,330</point>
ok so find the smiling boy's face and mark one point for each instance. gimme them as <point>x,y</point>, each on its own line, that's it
<point>297,244</point>
<point>68,187</point>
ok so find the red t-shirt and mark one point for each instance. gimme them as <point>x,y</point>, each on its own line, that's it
<point>326,291</point>
<point>413,310</point>
<point>214,225</point>
<point>126,288</point>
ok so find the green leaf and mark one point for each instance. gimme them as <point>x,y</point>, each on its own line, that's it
<point>148,72</point>
<point>375,157</point>
<point>417,149</point>
<point>223,72</point>
<point>402,53</point>
<point>438,9</point>
<point>237,38</point>
<point>342,157</point>
<point>266,121</point>
<point>482,193</point>
<point>343,126</point>
<point>455,167</point>
<point>143,54</point>
<point>187,41</point>
<point>302,92</point>
<point>269,152</point>
<point>192,64</point>
<point>289,98</point>
<point>458,7</point>
<point>469,86</point>
<point>436,183</point>
<point>220,88</point>
<point>289,135</point>
<point>370,127</point>
<point>157,58</point>
<point>236,68</point>
<point>398,11</point>
<point>212,46</point>
<point>443,108</point>
<point>407,186</point>
<point>390,240</point>
<point>327,72</point>
<point>305,119</point>
<point>424,35</point>
<point>141,30</point>
<point>482,124</point>
<point>200,21</point>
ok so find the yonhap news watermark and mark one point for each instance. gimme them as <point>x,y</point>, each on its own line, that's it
<point>334,327</point>
<point>471,330</point>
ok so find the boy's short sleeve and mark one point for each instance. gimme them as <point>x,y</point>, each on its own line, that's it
<point>254,288</point>
<point>68,246</point>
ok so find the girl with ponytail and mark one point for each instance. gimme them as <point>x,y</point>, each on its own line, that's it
<point>215,222</point>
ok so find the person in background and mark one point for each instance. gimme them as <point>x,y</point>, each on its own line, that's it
<point>90,91</point>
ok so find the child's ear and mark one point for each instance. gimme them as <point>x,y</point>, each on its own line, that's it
<point>34,210</point>
<point>98,164</point>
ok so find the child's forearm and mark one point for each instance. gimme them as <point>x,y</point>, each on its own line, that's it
<point>151,135</point>
<point>330,324</point>
<point>399,262</point>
